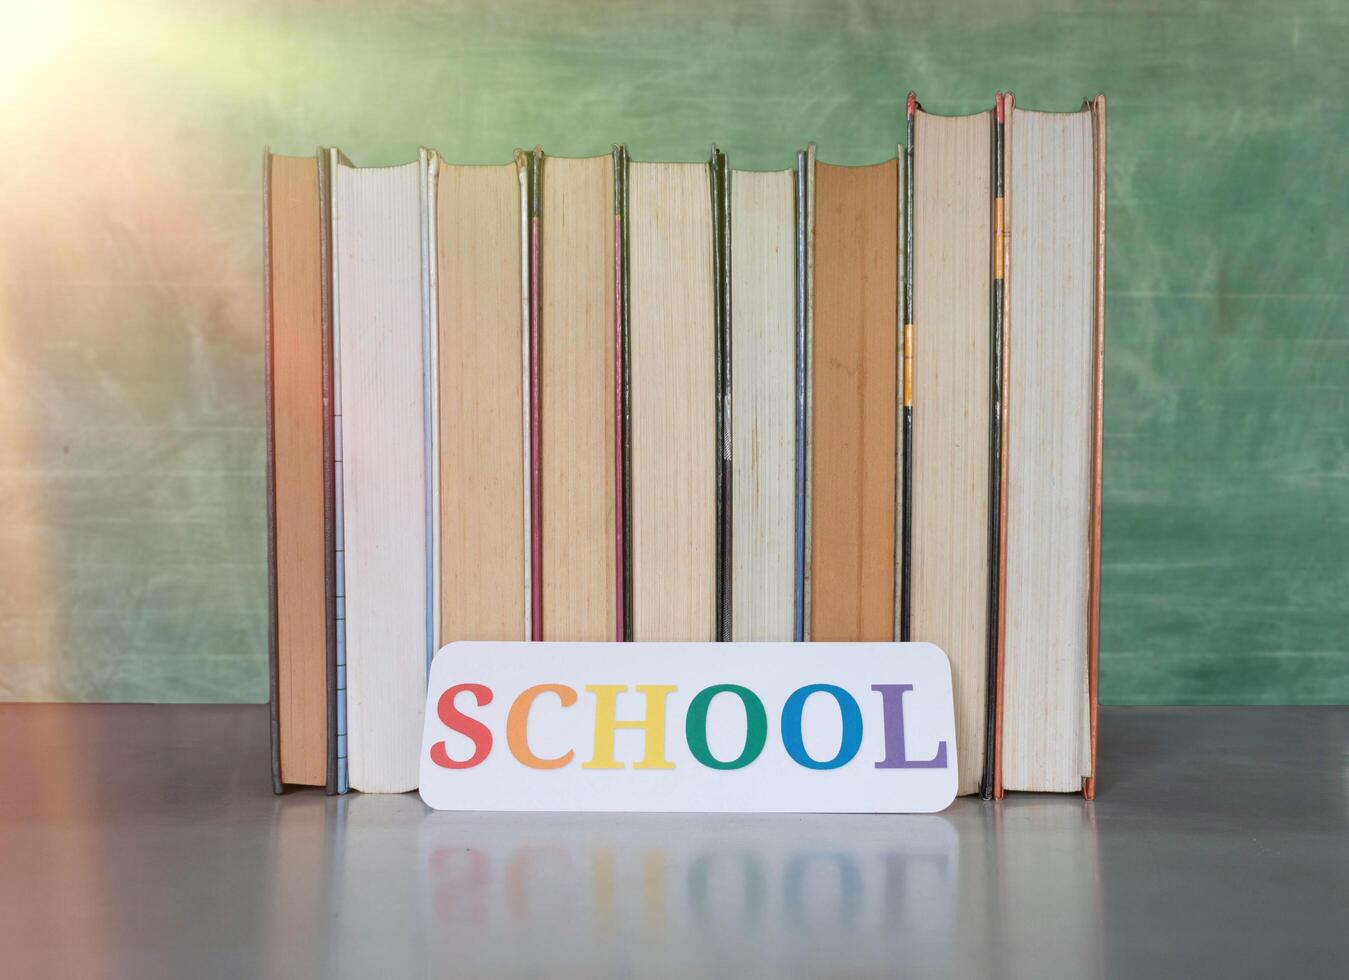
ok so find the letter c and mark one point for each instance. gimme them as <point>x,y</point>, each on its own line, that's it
<point>517,725</point>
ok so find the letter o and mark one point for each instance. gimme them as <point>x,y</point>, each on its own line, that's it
<point>850,741</point>
<point>756,726</point>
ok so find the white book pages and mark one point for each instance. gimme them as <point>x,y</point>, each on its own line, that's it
<point>953,234</point>
<point>377,268</point>
<point>763,420</point>
<point>673,402</point>
<point>1051,288</point>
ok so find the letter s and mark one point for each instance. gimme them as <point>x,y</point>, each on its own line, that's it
<point>456,721</point>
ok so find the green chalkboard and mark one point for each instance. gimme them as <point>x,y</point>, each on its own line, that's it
<point>131,399</point>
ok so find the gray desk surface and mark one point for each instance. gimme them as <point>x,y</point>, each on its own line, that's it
<point>144,841</point>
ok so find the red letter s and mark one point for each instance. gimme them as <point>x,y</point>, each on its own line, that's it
<point>455,720</point>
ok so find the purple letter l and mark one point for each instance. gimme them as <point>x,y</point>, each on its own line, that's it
<point>892,701</point>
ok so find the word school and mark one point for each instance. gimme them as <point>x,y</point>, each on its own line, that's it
<point>713,727</point>
<point>606,724</point>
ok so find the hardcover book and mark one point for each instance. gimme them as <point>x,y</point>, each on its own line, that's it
<point>853,401</point>
<point>1055,323</point>
<point>380,395</point>
<point>763,417</point>
<point>952,404</point>
<point>302,638</point>
<point>580,293</point>
<point>674,414</point>
<point>482,464</point>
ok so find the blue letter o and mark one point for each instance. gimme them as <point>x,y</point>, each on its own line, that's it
<point>791,726</point>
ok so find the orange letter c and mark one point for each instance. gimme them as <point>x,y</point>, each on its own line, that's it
<point>517,725</point>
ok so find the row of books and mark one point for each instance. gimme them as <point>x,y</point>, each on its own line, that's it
<point>601,399</point>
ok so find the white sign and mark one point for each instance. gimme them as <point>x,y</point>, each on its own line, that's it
<point>714,727</point>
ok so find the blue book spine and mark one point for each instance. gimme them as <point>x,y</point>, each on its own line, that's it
<point>339,572</point>
<point>340,691</point>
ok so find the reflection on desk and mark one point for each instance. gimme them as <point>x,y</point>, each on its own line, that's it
<point>143,840</point>
<point>689,894</point>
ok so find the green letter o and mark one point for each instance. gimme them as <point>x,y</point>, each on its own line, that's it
<point>756,726</point>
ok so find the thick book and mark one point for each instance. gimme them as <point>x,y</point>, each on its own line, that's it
<point>852,401</point>
<point>302,638</point>
<point>1055,342</point>
<point>378,330</point>
<point>763,357</point>
<point>481,459</point>
<point>580,293</point>
<point>950,492</point>
<point>672,339</point>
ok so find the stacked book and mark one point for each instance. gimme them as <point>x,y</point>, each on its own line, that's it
<point>604,400</point>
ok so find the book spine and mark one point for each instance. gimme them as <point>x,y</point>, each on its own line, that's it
<point>273,667</point>
<point>339,543</point>
<point>799,630</point>
<point>523,169</point>
<point>897,590</point>
<point>809,372</point>
<point>620,174</point>
<point>996,509</point>
<point>536,393</point>
<point>1097,455</point>
<point>427,162</point>
<point>721,246</point>
<point>1002,222</point>
<point>329,476</point>
<point>906,423</point>
<point>628,594</point>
